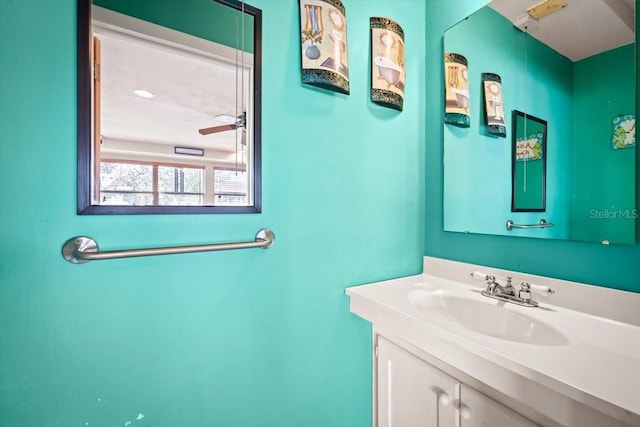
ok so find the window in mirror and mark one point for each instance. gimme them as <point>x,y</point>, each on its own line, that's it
<point>230,186</point>
<point>168,96</point>
<point>131,183</point>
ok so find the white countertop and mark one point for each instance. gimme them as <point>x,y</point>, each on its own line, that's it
<point>598,364</point>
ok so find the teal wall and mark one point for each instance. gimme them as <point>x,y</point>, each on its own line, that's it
<point>242,338</point>
<point>245,338</point>
<point>478,171</point>
<point>201,18</point>
<point>604,190</point>
<point>614,266</point>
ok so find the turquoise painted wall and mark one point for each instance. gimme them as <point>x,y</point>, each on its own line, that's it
<point>478,171</point>
<point>604,186</point>
<point>614,266</point>
<point>241,338</point>
<point>245,338</point>
<point>201,18</point>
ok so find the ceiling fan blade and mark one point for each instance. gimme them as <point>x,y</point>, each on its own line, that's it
<point>216,129</point>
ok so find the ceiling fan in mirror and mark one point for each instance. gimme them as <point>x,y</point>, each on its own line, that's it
<point>232,123</point>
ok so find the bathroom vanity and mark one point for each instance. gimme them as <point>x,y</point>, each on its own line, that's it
<point>445,355</point>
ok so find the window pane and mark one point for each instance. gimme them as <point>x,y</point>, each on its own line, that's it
<point>131,183</point>
<point>230,187</point>
<point>136,199</point>
<point>125,177</point>
<point>180,179</point>
<point>174,199</point>
<point>226,200</point>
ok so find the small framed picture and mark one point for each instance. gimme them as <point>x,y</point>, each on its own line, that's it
<point>624,132</point>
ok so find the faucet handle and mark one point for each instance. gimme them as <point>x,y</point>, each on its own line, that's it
<point>480,276</point>
<point>527,287</point>
<point>491,280</point>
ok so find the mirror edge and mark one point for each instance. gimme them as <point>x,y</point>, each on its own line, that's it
<point>84,105</point>
<point>84,126</point>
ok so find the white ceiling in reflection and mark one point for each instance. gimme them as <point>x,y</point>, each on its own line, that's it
<point>581,29</point>
<point>190,88</point>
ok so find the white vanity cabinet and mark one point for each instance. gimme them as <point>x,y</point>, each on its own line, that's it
<point>410,392</point>
<point>479,410</point>
<point>449,356</point>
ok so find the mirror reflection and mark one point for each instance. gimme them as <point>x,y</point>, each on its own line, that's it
<point>573,69</point>
<point>528,163</point>
<point>175,111</point>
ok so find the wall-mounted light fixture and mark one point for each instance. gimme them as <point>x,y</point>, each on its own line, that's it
<point>189,151</point>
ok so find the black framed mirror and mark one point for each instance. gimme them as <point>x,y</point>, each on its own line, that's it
<point>169,107</point>
<point>528,163</point>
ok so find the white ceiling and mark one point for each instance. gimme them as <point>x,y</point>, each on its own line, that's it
<point>192,80</point>
<point>581,29</point>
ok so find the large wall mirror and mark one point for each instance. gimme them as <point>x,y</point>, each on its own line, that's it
<point>169,107</point>
<point>574,70</point>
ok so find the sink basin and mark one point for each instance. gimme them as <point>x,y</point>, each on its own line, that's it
<point>491,317</point>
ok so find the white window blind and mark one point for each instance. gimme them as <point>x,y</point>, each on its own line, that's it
<point>230,186</point>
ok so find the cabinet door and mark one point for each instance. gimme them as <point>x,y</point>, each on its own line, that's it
<point>479,410</point>
<point>411,392</point>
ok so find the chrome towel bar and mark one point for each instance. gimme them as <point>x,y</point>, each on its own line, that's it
<point>543,224</point>
<point>81,249</point>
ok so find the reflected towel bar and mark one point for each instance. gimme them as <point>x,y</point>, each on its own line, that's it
<point>79,250</point>
<point>543,224</point>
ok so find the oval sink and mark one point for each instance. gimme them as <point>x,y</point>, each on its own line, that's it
<point>489,318</point>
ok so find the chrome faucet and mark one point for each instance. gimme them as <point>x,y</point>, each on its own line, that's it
<point>496,288</point>
<point>507,292</point>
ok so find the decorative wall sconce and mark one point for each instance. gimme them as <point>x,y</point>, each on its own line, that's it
<point>323,39</point>
<point>493,106</point>
<point>387,63</point>
<point>456,90</point>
